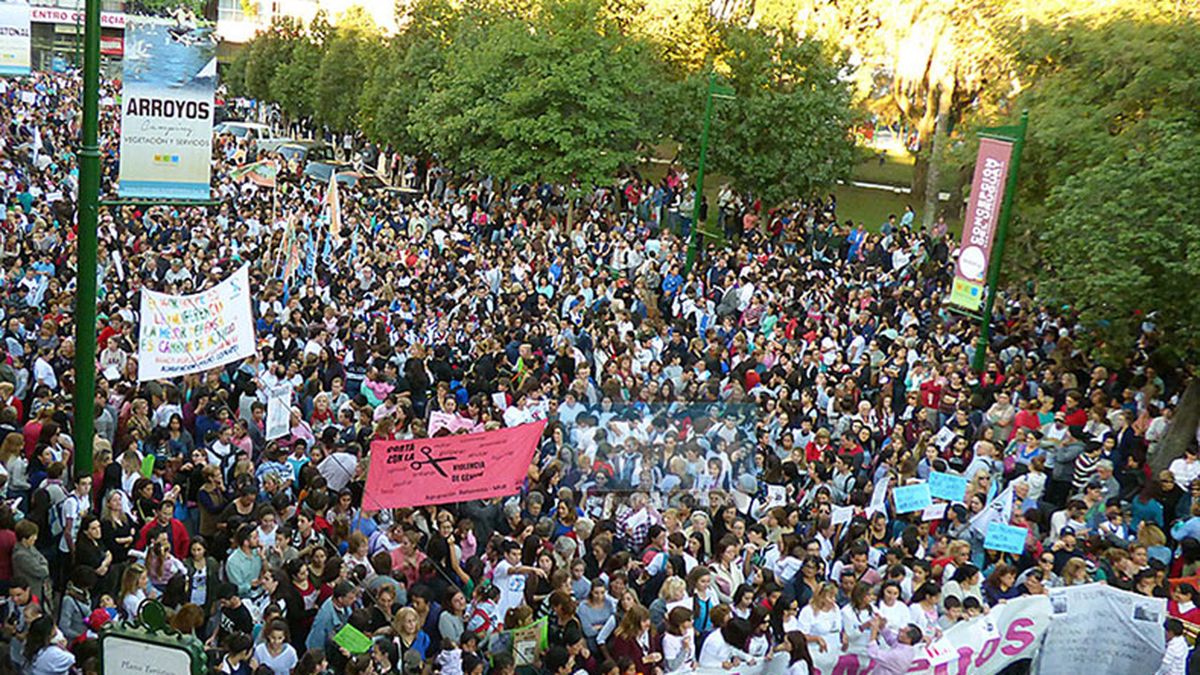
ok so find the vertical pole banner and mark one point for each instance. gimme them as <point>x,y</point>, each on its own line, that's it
<point>979,225</point>
<point>14,38</point>
<point>167,110</point>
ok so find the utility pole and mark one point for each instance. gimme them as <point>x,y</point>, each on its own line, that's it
<point>1017,136</point>
<point>714,91</point>
<point>89,211</point>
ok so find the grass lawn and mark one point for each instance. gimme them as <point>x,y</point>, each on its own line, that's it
<point>866,205</point>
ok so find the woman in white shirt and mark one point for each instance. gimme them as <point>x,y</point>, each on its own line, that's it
<point>723,648</point>
<point>923,612</point>
<point>799,659</point>
<point>275,652</point>
<point>857,616</point>
<point>821,621</point>
<point>679,640</point>
<point>891,607</point>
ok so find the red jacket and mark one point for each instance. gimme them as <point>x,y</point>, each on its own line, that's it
<point>181,543</point>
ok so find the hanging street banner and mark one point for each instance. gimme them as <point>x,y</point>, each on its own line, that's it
<point>14,38</point>
<point>979,226</point>
<point>450,468</point>
<point>183,334</point>
<point>167,110</point>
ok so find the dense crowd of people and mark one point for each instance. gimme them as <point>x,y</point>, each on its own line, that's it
<point>704,429</point>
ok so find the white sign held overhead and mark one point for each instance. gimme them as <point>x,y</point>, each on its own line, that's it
<point>183,334</point>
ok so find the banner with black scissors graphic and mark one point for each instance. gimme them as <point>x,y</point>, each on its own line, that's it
<point>450,468</point>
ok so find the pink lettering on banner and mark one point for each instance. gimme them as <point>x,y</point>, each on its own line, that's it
<point>450,469</point>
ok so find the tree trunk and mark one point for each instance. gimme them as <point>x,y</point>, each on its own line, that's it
<point>962,178</point>
<point>920,170</point>
<point>1183,428</point>
<point>934,174</point>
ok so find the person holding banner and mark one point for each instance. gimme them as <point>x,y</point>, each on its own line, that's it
<point>450,358</point>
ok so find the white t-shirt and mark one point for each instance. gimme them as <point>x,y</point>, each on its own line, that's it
<point>280,665</point>
<point>827,625</point>
<point>511,585</point>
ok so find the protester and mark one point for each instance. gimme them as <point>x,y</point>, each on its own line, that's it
<point>714,483</point>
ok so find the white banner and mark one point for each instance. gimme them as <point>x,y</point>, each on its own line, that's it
<point>279,415</point>
<point>1117,631</point>
<point>14,38</point>
<point>183,334</point>
<point>982,646</point>
<point>167,110</point>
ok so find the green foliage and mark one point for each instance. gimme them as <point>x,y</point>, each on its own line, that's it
<point>348,58</point>
<point>163,7</point>
<point>402,81</point>
<point>566,98</point>
<point>266,53</point>
<point>1091,86</point>
<point>786,133</point>
<point>233,75</point>
<point>1123,239</point>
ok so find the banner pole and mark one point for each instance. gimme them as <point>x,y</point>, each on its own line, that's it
<point>979,360</point>
<point>89,208</point>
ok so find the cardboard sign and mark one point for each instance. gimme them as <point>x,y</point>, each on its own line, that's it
<point>352,640</point>
<point>947,486</point>
<point>911,498</point>
<point>841,514</point>
<point>450,469</point>
<point>1005,538</point>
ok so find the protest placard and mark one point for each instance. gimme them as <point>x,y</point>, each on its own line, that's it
<point>947,486</point>
<point>183,334</point>
<point>911,498</point>
<point>410,473</point>
<point>1005,538</point>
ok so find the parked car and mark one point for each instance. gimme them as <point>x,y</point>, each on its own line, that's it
<point>240,130</point>
<point>347,175</point>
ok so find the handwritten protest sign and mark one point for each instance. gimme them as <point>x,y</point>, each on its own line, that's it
<point>183,334</point>
<point>450,468</point>
<point>879,496</point>
<point>947,486</point>
<point>279,416</point>
<point>352,640</point>
<point>911,498</point>
<point>1005,538</point>
<point>934,511</point>
<point>841,514</point>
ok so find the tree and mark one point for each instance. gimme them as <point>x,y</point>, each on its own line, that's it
<point>265,53</point>
<point>565,97</point>
<point>347,59</point>
<point>1123,241</point>
<point>403,79</point>
<point>786,133</point>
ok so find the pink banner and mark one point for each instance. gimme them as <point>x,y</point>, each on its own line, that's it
<point>450,469</point>
<point>979,224</point>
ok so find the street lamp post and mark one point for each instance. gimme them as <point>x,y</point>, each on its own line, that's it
<point>89,208</point>
<point>714,91</point>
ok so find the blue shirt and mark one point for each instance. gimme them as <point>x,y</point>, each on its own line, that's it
<point>328,621</point>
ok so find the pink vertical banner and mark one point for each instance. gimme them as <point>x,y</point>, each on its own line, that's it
<point>979,224</point>
<point>451,468</point>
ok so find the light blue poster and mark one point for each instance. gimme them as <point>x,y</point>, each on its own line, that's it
<point>1005,538</point>
<point>947,486</point>
<point>911,498</point>
<point>167,109</point>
